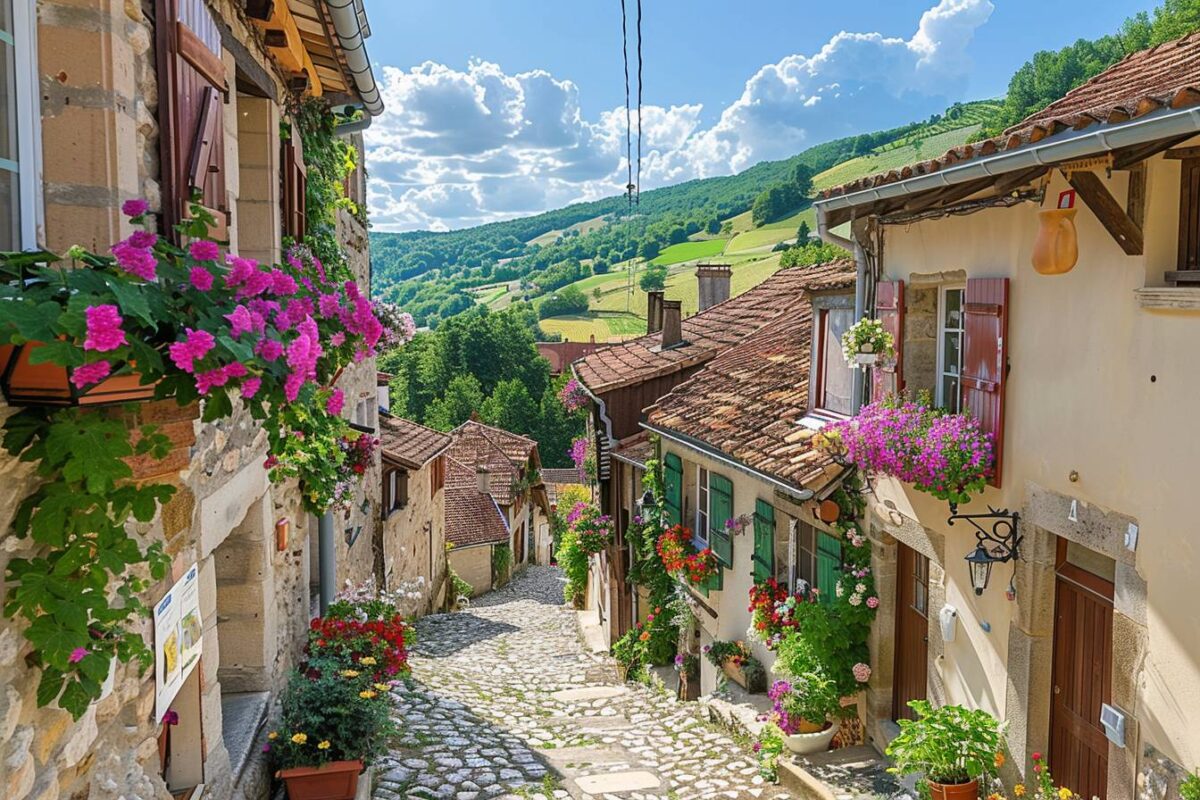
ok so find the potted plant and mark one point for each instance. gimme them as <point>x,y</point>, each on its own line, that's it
<point>806,710</point>
<point>332,726</point>
<point>739,663</point>
<point>865,342</point>
<point>953,747</point>
<point>681,559</point>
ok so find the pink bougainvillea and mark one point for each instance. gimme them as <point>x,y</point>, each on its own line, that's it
<point>135,207</point>
<point>200,279</point>
<point>104,331</point>
<point>90,374</point>
<point>204,250</point>
<point>137,261</point>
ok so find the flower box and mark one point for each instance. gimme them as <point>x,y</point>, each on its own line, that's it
<point>755,682</point>
<point>337,780</point>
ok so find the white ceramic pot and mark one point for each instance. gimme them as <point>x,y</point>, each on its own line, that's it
<point>805,744</point>
<point>866,358</point>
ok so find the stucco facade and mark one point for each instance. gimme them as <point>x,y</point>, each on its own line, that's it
<point>251,541</point>
<point>473,565</point>
<point>414,545</point>
<point>1096,439</point>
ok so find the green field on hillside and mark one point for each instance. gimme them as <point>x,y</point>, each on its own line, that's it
<point>585,227</point>
<point>689,251</point>
<point>894,158</point>
<point>772,233</point>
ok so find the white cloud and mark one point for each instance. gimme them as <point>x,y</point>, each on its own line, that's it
<point>457,148</point>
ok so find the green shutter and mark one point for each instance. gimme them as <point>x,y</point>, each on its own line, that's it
<point>720,509</point>
<point>673,486</point>
<point>764,540</point>
<point>829,565</point>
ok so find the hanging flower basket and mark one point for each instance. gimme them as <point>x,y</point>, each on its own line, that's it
<point>680,557</point>
<point>867,342</point>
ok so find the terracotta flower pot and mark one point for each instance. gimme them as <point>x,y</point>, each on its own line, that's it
<point>337,780</point>
<point>954,791</point>
<point>737,674</point>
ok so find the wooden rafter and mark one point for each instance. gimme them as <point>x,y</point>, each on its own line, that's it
<point>946,196</point>
<point>1130,156</point>
<point>1015,180</point>
<point>1120,226</point>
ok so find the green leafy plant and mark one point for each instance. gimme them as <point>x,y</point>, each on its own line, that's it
<point>574,562</point>
<point>501,562</point>
<point>948,745</point>
<point>810,696</point>
<point>867,337</point>
<point>1190,788</point>
<point>330,718</point>
<point>769,748</point>
<point>593,530</point>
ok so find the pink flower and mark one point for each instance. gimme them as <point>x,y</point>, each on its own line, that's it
<point>213,378</point>
<point>282,283</point>
<point>328,305</point>
<point>862,672</point>
<point>104,329</point>
<point>204,250</point>
<point>250,387</point>
<point>184,354</point>
<point>136,261</point>
<point>200,278</point>
<point>143,239</point>
<point>302,355</point>
<point>872,602</point>
<point>240,321</point>
<point>90,374</point>
<point>268,349</point>
<point>338,339</point>
<point>236,370</point>
<point>77,655</point>
<point>335,402</point>
<point>135,208</point>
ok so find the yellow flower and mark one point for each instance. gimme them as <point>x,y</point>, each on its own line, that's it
<point>299,738</point>
<point>323,745</point>
<point>995,796</point>
<point>1064,793</point>
<point>383,687</point>
<point>273,736</point>
<point>349,673</point>
<point>367,660</point>
<point>999,760</point>
<point>1019,790</point>
<point>366,694</point>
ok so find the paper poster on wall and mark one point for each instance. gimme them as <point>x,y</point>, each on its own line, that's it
<point>178,634</point>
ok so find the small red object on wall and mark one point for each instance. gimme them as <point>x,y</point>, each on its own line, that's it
<point>282,527</point>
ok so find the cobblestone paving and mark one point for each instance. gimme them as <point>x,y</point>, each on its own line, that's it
<point>507,704</point>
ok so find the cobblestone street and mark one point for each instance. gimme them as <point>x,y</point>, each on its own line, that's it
<point>508,704</point>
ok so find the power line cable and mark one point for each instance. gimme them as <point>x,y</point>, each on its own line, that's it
<point>639,103</point>
<point>628,120</point>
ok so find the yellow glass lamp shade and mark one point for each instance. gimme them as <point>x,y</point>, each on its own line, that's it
<point>1056,248</point>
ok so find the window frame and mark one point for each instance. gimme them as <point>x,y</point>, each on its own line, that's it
<point>700,535</point>
<point>942,330</point>
<point>822,305</point>
<point>27,126</point>
<point>804,547</point>
<point>395,494</point>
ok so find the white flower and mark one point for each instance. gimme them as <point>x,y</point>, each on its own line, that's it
<point>859,588</point>
<point>856,599</point>
<point>838,590</point>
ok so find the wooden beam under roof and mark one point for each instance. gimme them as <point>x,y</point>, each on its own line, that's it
<point>1125,231</point>
<point>946,196</point>
<point>1130,156</point>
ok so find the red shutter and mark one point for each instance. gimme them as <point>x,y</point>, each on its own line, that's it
<point>889,309</point>
<point>295,179</point>
<point>985,358</point>
<point>191,104</point>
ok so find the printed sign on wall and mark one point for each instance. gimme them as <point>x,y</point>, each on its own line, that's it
<point>178,634</point>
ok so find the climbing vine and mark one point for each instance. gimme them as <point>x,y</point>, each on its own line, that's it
<point>328,161</point>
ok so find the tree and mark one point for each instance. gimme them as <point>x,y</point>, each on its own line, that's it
<point>463,397</point>
<point>649,249</point>
<point>556,428</point>
<point>803,233</point>
<point>713,227</point>
<point>567,300</point>
<point>802,180</point>
<point>654,278</point>
<point>512,408</point>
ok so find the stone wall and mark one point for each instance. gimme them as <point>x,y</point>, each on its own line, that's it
<point>414,545</point>
<point>473,565</point>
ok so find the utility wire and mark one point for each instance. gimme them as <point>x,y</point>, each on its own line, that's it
<point>628,121</point>
<point>639,104</point>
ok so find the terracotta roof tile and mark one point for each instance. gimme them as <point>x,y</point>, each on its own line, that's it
<point>501,453</point>
<point>705,334</point>
<point>638,449</point>
<point>472,518</point>
<point>1165,76</point>
<point>408,443</point>
<point>746,402</point>
<point>561,476</point>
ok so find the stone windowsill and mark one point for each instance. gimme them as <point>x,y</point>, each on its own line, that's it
<point>1169,298</point>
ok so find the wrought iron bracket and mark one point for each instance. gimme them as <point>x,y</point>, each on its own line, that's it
<point>1002,540</point>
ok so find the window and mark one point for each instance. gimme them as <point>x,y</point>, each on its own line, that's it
<point>437,473</point>
<point>395,491</point>
<point>720,510</point>
<point>764,540</point>
<point>702,506</point>
<point>834,379</point>
<point>951,328</point>
<point>673,487</point>
<point>20,128</point>
<point>814,561</point>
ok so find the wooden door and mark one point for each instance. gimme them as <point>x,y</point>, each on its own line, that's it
<point>912,630</point>
<point>1082,678</point>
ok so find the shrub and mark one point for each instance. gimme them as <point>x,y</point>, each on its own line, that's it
<point>949,745</point>
<point>330,718</point>
<point>574,562</point>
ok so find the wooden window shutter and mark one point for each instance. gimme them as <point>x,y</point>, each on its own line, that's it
<point>889,309</point>
<point>294,178</point>
<point>764,540</point>
<point>1189,215</point>
<point>829,566</point>
<point>985,359</point>
<point>720,509</point>
<point>673,488</point>
<point>192,89</point>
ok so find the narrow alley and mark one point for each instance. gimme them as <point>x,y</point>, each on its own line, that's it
<point>507,704</point>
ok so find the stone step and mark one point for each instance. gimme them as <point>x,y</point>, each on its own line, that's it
<point>850,773</point>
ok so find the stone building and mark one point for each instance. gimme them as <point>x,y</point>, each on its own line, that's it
<point>488,469</point>
<point>1086,642</point>
<point>156,99</point>
<point>413,509</point>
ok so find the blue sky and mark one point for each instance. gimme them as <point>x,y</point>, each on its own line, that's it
<point>500,108</point>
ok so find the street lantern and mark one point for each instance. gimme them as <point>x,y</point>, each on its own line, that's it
<point>646,499</point>
<point>980,562</point>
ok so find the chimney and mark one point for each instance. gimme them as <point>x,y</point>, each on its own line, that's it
<point>672,323</point>
<point>713,281</point>
<point>654,311</point>
<point>484,479</point>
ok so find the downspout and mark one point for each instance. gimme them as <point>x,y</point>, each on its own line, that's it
<point>348,25</point>
<point>327,560</point>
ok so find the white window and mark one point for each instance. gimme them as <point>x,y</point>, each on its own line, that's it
<point>701,532</point>
<point>834,379</point>
<point>950,347</point>
<point>20,126</point>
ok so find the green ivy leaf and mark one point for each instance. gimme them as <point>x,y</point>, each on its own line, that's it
<point>75,699</point>
<point>66,354</point>
<point>91,451</point>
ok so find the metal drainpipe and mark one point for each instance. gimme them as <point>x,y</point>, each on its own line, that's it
<point>858,376</point>
<point>327,560</point>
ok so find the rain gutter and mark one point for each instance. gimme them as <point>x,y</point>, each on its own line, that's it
<point>350,24</point>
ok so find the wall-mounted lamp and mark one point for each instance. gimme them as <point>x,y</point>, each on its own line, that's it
<point>998,545</point>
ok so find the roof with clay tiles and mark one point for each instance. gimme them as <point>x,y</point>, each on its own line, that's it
<point>408,443</point>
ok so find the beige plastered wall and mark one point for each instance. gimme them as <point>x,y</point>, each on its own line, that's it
<point>414,545</point>
<point>1100,409</point>
<point>473,565</point>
